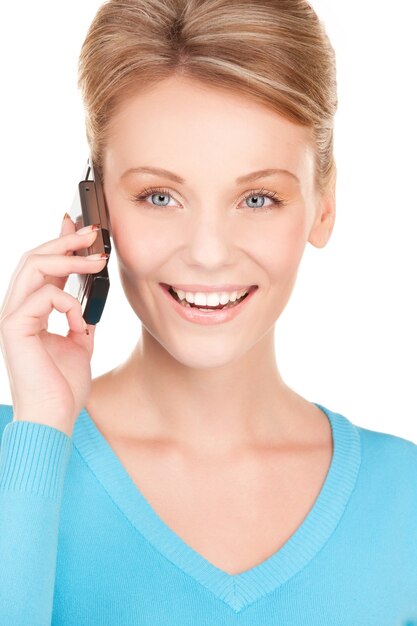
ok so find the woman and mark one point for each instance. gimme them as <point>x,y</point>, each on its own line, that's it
<point>191,484</point>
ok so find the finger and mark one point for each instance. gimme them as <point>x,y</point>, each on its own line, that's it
<point>69,230</point>
<point>67,225</point>
<point>86,340</point>
<point>38,270</point>
<point>32,316</point>
<point>64,245</point>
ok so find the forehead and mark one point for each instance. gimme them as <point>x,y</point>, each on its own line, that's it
<point>179,118</point>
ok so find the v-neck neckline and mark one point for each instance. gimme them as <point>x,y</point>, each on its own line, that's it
<point>236,590</point>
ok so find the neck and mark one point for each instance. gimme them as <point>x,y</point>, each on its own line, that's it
<point>211,411</point>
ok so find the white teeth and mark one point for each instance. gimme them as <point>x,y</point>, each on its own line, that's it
<point>209,299</point>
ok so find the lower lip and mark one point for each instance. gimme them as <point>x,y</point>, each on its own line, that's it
<point>217,316</point>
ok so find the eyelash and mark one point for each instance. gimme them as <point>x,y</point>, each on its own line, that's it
<point>254,192</point>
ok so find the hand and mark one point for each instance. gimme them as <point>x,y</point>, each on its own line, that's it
<point>50,375</point>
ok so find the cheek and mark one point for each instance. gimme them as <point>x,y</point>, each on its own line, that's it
<point>140,249</point>
<point>281,249</point>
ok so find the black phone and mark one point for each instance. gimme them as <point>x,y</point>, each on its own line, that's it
<point>89,207</point>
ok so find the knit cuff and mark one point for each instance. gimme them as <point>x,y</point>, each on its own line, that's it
<point>34,459</point>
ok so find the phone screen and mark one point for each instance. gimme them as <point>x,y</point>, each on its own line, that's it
<point>89,207</point>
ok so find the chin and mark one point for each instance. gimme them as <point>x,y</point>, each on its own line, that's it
<point>205,354</point>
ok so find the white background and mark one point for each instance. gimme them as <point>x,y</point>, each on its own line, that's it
<point>347,338</point>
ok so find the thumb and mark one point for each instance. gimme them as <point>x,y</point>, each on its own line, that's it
<point>67,225</point>
<point>84,339</point>
<point>91,328</point>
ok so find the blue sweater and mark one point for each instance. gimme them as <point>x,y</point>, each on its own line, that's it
<point>81,546</point>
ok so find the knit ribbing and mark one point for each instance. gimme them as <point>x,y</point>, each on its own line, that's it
<point>238,590</point>
<point>23,442</point>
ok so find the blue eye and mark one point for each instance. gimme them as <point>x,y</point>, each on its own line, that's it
<point>152,192</point>
<point>160,193</point>
<point>263,194</point>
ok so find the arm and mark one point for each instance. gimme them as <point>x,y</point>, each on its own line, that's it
<point>33,463</point>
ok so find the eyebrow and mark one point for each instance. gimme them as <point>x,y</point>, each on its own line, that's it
<point>145,169</point>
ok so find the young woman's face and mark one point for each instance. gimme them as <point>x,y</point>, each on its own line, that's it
<point>208,230</point>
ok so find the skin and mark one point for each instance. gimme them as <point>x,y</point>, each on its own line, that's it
<point>211,392</point>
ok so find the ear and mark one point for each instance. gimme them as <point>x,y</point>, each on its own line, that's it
<point>324,218</point>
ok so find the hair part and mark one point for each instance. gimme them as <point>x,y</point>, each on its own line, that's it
<point>276,53</point>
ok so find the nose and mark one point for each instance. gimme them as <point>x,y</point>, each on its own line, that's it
<point>209,240</point>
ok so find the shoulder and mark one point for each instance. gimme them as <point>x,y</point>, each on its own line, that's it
<point>6,416</point>
<point>389,461</point>
<point>379,444</point>
<point>376,447</point>
<point>386,463</point>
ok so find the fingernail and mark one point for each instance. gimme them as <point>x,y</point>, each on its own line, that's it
<point>88,229</point>
<point>66,217</point>
<point>97,257</point>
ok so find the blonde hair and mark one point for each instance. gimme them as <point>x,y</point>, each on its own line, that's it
<point>275,52</point>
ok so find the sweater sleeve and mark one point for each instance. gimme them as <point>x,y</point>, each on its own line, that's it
<point>33,464</point>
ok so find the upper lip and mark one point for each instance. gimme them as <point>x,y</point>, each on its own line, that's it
<point>208,288</point>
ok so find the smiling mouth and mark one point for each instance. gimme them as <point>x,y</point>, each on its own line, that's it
<point>229,305</point>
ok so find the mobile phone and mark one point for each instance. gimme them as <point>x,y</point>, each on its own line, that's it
<point>89,207</point>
